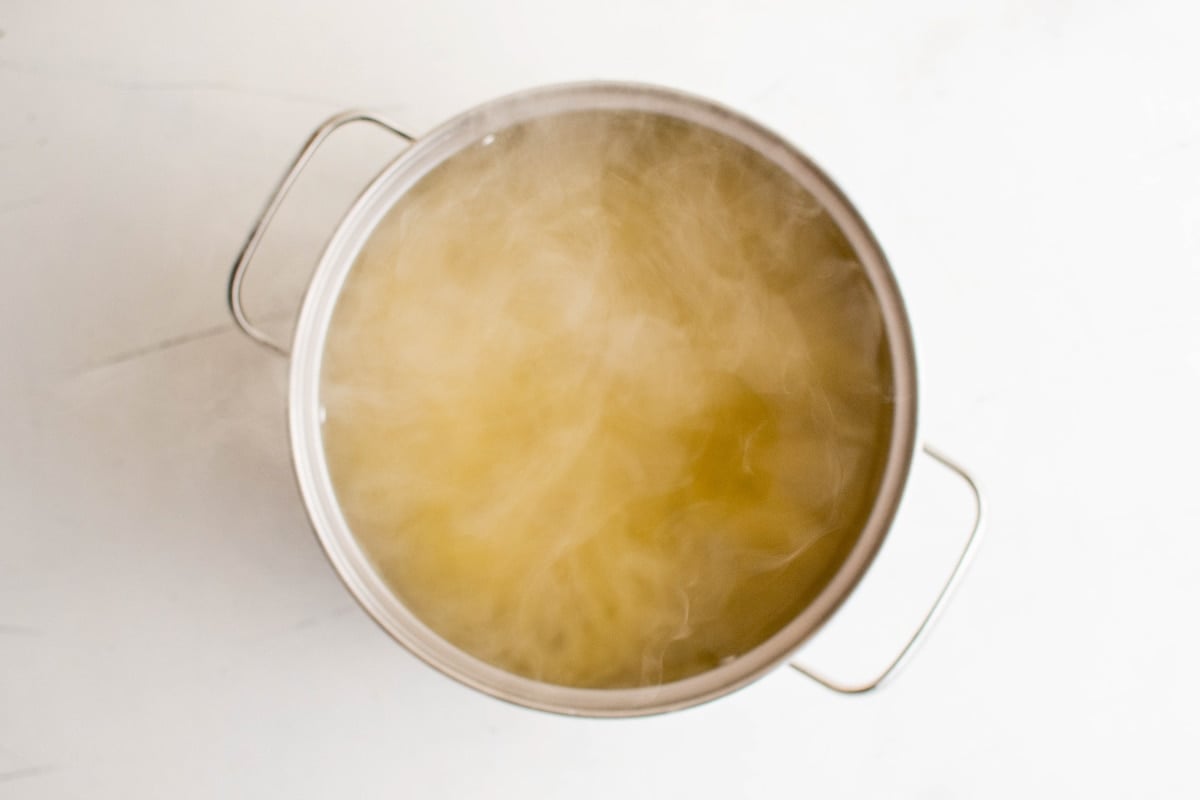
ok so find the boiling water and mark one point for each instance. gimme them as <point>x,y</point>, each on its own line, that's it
<point>607,399</point>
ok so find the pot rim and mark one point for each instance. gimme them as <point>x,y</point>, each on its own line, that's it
<point>305,413</point>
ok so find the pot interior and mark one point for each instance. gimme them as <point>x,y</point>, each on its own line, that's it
<point>602,399</point>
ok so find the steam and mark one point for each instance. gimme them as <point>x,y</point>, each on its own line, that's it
<point>606,399</point>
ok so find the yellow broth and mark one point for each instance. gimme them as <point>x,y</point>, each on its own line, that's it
<point>607,399</point>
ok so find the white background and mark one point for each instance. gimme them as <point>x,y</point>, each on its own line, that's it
<point>169,627</point>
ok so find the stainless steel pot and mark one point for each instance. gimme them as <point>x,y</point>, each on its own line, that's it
<point>305,411</point>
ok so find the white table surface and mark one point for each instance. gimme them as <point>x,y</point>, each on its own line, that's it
<point>168,625</point>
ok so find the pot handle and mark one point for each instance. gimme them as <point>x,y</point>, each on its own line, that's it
<point>938,604</point>
<point>238,275</point>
